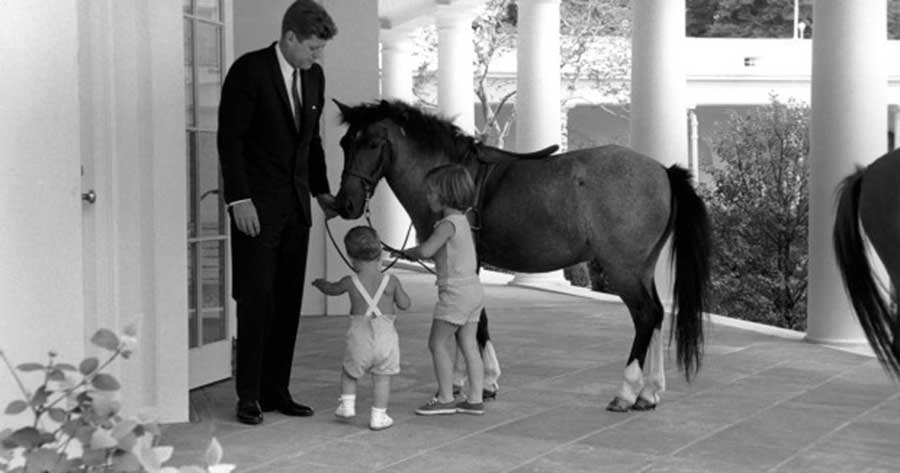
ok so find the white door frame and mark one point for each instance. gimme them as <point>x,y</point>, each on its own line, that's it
<point>211,362</point>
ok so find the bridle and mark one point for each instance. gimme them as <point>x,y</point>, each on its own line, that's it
<point>369,183</point>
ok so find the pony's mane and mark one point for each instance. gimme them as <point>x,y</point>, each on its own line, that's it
<point>433,133</point>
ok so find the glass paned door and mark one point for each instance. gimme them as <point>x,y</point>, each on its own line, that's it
<point>207,235</point>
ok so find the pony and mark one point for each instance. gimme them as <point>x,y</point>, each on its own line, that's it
<point>869,198</point>
<point>537,213</point>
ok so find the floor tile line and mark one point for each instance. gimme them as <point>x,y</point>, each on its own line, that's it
<point>260,466</point>
<point>732,424</point>
<point>457,439</point>
<point>825,436</point>
<point>625,421</point>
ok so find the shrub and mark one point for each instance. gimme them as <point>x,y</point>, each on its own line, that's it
<point>758,203</point>
<point>77,426</point>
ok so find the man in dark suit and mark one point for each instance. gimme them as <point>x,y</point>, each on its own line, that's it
<point>272,161</point>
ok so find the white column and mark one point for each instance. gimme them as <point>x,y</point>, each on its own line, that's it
<point>538,92</point>
<point>396,65</point>
<point>657,96</point>
<point>456,95</point>
<point>694,136</point>
<point>389,217</point>
<point>849,92</point>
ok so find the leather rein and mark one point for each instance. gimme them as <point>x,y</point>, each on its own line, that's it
<point>369,188</point>
<point>485,169</point>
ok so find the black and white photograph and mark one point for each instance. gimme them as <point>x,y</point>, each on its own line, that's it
<point>473,236</point>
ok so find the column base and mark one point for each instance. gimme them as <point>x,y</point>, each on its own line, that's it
<point>859,346</point>
<point>540,279</point>
<point>841,342</point>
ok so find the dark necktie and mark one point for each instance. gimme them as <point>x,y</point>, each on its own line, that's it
<point>296,96</point>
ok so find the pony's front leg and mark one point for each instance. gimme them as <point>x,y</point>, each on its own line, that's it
<point>655,381</point>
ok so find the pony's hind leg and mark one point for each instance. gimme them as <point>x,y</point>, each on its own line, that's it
<point>655,378</point>
<point>654,366</point>
<point>646,350</point>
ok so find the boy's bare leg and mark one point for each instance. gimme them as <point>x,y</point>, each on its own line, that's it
<point>347,406</point>
<point>382,390</point>
<point>348,383</point>
<point>474,365</point>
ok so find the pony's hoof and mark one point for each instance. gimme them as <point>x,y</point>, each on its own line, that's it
<point>618,405</point>
<point>643,405</point>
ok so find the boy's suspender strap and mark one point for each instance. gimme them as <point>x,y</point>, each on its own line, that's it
<point>372,301</point>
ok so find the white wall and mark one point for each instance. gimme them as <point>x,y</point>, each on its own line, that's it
<point>40,189</point>
<point>257,24</point>
<point>351,73</point>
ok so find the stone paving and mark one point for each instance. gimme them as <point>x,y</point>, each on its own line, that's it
<point>760,404</point>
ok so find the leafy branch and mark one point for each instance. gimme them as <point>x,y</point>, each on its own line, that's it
<point>109,442</point>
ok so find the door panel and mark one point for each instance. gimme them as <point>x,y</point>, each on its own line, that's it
<point>209,312</point>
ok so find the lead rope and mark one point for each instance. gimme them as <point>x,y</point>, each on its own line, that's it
<point>383,244</point>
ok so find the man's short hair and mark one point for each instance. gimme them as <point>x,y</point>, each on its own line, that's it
<point>362,244</point>
<point>306,18</point>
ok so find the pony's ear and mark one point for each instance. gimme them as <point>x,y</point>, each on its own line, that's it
<point>343,108</point>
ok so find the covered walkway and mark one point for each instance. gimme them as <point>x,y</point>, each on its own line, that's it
<point>761,403</point>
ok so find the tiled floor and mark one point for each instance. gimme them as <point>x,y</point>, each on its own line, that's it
<point>760,403</point>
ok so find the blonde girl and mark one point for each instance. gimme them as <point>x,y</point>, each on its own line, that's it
<point>450,192</point>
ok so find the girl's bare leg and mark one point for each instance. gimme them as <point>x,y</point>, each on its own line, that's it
<point>441,333</point>
<point>465,337</point>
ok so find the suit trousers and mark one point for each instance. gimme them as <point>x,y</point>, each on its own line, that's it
<point>269,272</point>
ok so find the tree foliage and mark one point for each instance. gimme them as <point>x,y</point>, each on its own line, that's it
<point>758,203</point>
<point>761,18</point>
<point>582,58</point>
<point>745,18</point>
<point>893,19</point>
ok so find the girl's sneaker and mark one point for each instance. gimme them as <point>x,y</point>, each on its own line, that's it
<point>435,407</point>
<point>466,407</point>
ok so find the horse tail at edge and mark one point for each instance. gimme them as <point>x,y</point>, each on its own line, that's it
<point>691,249</point>
<point>850,253</point>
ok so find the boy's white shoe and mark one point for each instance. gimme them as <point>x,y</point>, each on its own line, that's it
<point>380,420</point>
<point>346,407</point>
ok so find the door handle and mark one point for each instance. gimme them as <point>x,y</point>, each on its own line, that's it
<point>89,196</point>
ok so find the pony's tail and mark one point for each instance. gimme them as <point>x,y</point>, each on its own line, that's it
<point>691,248</point>
<point>871,309</point>
<point>481,334</point>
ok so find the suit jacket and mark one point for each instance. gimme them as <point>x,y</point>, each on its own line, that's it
<point>262,155</point>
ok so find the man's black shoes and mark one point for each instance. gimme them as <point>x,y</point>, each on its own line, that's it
<point>249,412</point>
<point>287,407</point>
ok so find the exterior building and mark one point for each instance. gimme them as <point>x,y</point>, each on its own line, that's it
<point>110,209</point>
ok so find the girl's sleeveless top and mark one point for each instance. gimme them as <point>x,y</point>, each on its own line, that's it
<point>456,261</point>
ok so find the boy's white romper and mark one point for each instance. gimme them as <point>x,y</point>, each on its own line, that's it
<point>372,342</point>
